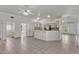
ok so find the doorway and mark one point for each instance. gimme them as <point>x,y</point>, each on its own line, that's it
<point>26,30</point>
<point>10,27</point>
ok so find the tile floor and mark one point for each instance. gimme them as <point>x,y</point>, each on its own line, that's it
<point>29,45</point>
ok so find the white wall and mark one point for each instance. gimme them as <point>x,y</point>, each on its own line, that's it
<point>5,17</point>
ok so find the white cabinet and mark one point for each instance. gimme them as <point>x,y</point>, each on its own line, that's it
<point>47,35</point>
<point>39,35</point>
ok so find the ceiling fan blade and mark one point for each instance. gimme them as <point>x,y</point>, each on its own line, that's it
<point>25,12</point>
<point>31,13</point>
<point>29,10</point>
<point>21,11</point>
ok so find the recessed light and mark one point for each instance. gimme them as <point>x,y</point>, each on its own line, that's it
<point>48,16</point>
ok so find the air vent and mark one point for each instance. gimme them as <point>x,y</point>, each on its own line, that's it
<point>12,17</point>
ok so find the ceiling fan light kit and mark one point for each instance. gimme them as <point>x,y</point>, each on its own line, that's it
<point>25,13</point>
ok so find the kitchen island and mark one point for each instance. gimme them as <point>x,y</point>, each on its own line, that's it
<point>47,35</point>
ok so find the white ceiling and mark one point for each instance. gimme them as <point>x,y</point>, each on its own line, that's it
<point>55,11</point>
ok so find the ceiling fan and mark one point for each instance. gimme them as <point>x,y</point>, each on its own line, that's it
<point>25,11</point>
